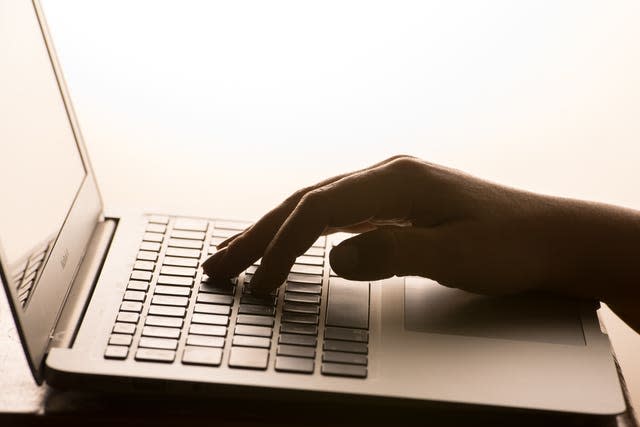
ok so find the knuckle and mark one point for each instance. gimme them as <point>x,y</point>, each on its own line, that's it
<point>406,168</point>
<point>400,157</point>
<point>313,200</point>
<point>295,198</point>
<point>406,163</point>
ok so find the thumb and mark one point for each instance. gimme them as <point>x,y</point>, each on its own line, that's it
<point>388,251</point>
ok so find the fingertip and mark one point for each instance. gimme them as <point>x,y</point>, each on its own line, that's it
<point>212,265</point>
<point>263,283</point>
<point>344,259</point>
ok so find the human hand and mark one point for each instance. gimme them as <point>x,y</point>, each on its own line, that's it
<point>418,218</point>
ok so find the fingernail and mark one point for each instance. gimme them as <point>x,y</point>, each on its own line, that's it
<point>262,283</point>
<point>344,258</point>
<point>211,265</point>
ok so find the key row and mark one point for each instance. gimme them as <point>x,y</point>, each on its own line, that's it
<point>251,343</point>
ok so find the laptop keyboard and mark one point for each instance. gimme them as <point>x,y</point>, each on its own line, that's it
<point>172,313</point>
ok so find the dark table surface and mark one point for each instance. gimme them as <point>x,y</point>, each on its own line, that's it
<point>22,402</point>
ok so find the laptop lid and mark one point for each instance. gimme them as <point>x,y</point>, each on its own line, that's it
<point>49,197</point>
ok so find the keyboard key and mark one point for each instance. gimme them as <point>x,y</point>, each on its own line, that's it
<point>141,275</point>
<point>180,291</point>
<point>182,252</point>
<point>178,271</point>
<point>191,235</point>
<point>346,346</point>
<point>304,278</point>
<point>348,304</point>
<point>257,331</point>
<point>211,330</point>
<point>148,256</point>
<point>180,262</point>
<point>155,355</point>
<point>163,343</point>
<point>230,225</point>
<point>247,319</point>
<point>246,290</point>
<point>205,341</point>
<point>256,309</point>
<point>156,228</point>
<point>158,219</point>
<point>169,322</point>
<point>225,232</point>
<point>134,296</point>
<point>160,332</point>
<point>191,224</point>
<point>116,352</point>
<point>219,282</point>
<point>340,357</point>
<point>120,339</point>
<point>150,246</point>
<point>170,300</point>
<point>251,269</point>
<point>309,319</point>
<point>225,287</point>
<point>202,356</point>
<point>167,310</point>
<point>175,280</point>
<point>320,243</point>
<point>124,328</point>
<point>215,299</point>
<point>128,317</point>
<point>248,341</point>
<point>294,364</point>
<point>258,300</point>
<point>212,309</point>
<point>296,307</point>
<point>136,307</point>
<point>217,240</point>
<point>297,328</point>
<point>185,243</point>
<point>153,237</point>
<point>249,358</point>
<point>301,297</point>
<point>293,339</point>
<point>210,319</point>
<point>346,334</point>
<point>310,260</point>
<point>304,288</point>
<point>137,285</point>
<point>313,251</point>
<point>296,351</point>
<point>306,269</point>
<point>341,370</point>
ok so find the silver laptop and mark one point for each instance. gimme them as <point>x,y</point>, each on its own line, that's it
<point>120,302</point>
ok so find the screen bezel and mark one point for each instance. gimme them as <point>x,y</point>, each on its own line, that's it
<point>37,320</point>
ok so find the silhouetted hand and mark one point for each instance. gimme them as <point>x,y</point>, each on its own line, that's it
<point>417,218</point>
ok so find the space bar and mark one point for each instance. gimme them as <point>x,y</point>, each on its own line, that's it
<point>348,304</point>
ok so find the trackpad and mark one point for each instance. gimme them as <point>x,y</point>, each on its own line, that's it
<point>430,307</point>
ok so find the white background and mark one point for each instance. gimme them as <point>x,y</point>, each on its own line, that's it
<point>226,108</point>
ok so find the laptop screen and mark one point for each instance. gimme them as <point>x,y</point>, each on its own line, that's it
<point>40,166</point>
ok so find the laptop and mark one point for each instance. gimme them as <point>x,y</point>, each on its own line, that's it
<point>120,303</point>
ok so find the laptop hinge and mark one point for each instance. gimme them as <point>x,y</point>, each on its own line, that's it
<point>82,287</point>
